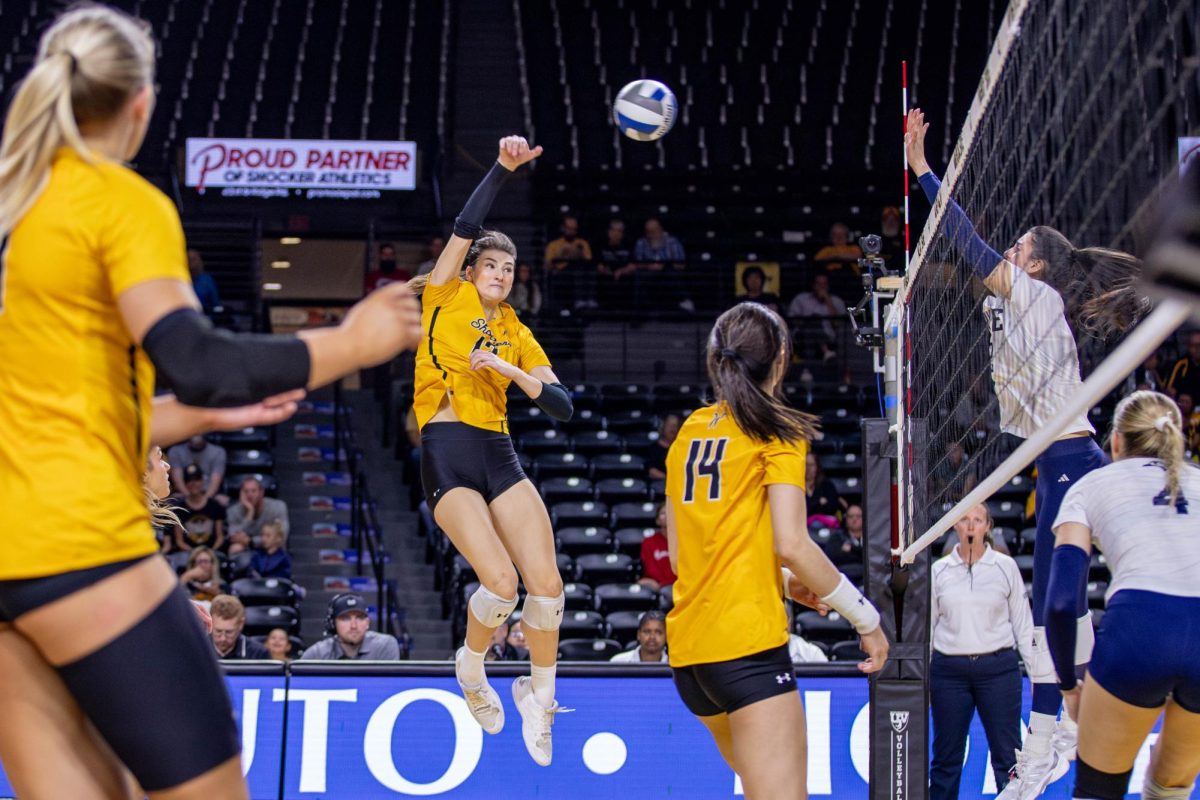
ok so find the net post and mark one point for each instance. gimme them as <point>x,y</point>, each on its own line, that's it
<point>900,692</point>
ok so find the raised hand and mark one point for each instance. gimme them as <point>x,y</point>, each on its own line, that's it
<point>383,324</point>
<point>271,411</point>
<point>914,142</point>
<point>486,359</point>
<point>515,151</point>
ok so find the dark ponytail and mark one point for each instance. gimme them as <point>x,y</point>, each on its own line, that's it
<point>1097,285</point>
<point>748,343</point>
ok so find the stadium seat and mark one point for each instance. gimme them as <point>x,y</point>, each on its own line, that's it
<point>461,571</point>
<point>621,490</point>
<point>582,420</point>
<point>822,536</point>
<point>1098,569</point>
<point>625,396</point>
<point>623,625</point>
<point>601,568</point>
<point>582,625</point>
<point>542,442</point>
<point>586,514</point>
<point>624,597</point>
<point>614,465</point>
<point>678,398</point>
<point>629,540</point>
<point>264,591</point>
<point>244,439</point>
<point>1007,513</point>
<point>178,560</point>
<point>237,565</point>
<point>658,490</point>
<point>525,420</point>
<point>1016,490</point>
<point>560,465</point>
<point>1025,563</point>
<point>847,651</point>
<point>634,515</point>
<point>594,443</point>
<point>849,488</point>
<point>840,422</point>
<point>831,628</point>
<point>636,422</point>
<point>264,619</point>
<point>240,462</point>
<point>1095,593</point>
<point>666,597</point>
<point>577,542</point>
<point>842,465</point>
<point>566,567</point>
<point>567,490</point>
<point>1028,538</point>
<point>579,597</point>
<point>587,649</point>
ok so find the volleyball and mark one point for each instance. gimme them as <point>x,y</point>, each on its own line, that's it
<point>644,110</point>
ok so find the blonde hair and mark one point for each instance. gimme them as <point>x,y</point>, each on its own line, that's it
<point>274,525</point>
<point>162,514</point>
<point>1152,427</point>
<point>227,607</point>
<point>89,64</point>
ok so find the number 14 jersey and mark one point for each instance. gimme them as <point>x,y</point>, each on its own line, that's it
<point>728,593</point>
<point>1149,543</point>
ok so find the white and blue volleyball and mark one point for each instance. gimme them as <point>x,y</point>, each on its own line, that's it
<point>645,110</point>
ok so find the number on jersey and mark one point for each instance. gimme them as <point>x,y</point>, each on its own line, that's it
<point>704,460</point>
<point>1163,498</point>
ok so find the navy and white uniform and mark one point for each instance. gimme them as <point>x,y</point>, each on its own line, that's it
<point>1148,644</point>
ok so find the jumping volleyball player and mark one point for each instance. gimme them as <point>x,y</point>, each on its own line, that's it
<point>1043,289</point>
<point>735,485</point>
<point>1142,512</point>
<point>96,637</point>
<point>473,480</point>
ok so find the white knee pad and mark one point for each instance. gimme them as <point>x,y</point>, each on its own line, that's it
<point>489,608</point>
<point>543,613</point>
<point>1042,668</point>
<point>1152,791</point>
<point>1085,639</point>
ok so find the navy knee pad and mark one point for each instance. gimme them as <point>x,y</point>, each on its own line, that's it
<point>158,698</point>
<point>1092,783</point>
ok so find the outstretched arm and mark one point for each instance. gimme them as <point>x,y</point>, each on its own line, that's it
<point>514,151</point>
<point>979,254</point>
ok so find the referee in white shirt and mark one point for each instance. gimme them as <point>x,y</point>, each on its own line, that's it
<point>980,619</point>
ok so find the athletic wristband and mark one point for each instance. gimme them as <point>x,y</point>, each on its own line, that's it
<point>850,603</point>
<point>213,368</point>
<point>469,223</point>
<point>555,400</point>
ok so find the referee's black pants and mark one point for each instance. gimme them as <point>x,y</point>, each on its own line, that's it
<point>959,686</point>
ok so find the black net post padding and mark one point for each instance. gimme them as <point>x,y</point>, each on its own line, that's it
<point>899,692</point>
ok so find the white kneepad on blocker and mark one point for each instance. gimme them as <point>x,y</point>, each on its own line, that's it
<point>490,608</point>
<point>1042,669</point>
<point>543,613</point>
<point>1085,639</point>
<point>1152,791</point>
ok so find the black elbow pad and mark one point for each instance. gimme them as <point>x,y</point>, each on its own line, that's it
<point>212,368</point>
<point>555,400</point>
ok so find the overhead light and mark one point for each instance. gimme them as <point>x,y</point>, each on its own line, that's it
<point>272,287</point>
<point>280,264</point>
<point>290,240</point>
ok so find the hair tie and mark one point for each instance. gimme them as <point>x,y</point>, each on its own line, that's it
<point>1160,424</point>
<point>729,353</point>
<point>72,62</point>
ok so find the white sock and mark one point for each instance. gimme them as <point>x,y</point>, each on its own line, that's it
<point>1066,723</point>
<point>470,666</point>
<point>543,684</point>
<point>1041,728</point>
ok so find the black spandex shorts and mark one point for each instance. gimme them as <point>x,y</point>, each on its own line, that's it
<point>455,454</point>
<point>726,686</point>
<point>155,693</point>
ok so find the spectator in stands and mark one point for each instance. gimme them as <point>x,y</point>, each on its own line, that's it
<point>614,264</point>
<point>201,578</point>
<point>203,283</point>
<point>950,476</point>
<point>821,303</point>
<point>753,281</point>
<point>652,641</point>
<point>436,245</point>
<point>201,518</point>
<point>824,504</point>
<point>386,270</point>
<point>208,456</point>
<point>845,548</point>
<point>253,509</point>
<point>412,467</point>
<point>1185,375</point>
<point>661,261</point>
<point>279,645</point>
<point>1146,377</point>
<point>803,651</point>
<point>498,647</point>
<point>271,559</point>
<point>526,295</point>
<point>656,558</point>
<point>891,231</point>
<point>228,620</point>
<point>350,634</point>
<point>568,262</point>
<point>839,257</point>
<point>656,452</point>
<point>518,648</point>
<point>981,618</point>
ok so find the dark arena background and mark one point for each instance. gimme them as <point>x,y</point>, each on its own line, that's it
<point>317,149</point>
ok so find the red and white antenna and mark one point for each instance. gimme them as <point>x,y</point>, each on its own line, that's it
<point>904,150</point>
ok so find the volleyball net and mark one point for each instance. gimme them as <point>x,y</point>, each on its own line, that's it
<point>1079,123</point>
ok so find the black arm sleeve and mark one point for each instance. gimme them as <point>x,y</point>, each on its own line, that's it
<point>469,224</point>
<point>215,369</point>
<point>555,400</point>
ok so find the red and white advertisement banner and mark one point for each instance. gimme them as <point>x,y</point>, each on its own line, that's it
<point>306,167</point>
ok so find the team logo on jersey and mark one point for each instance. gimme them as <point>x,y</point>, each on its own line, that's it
<point>899,721</point>
<point>1063,478</point>
<point>717,417</point>
<point>488,340</point>
<point>783,677</point>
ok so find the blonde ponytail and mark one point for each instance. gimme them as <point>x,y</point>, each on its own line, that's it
<point>90,63</point>
<point>1152,427</point>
